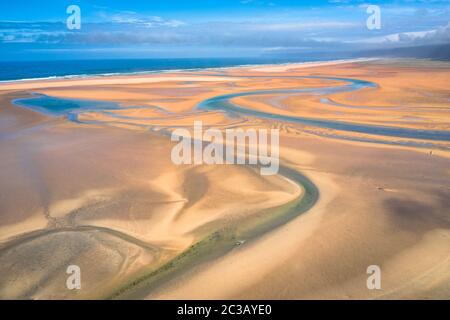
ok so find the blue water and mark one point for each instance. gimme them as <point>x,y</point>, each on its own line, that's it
<point>44,69</point>
<point>72,107</point>
<point>223,102</point>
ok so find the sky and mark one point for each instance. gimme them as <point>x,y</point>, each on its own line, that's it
<point>37,30</point>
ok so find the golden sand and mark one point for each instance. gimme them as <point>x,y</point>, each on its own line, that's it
<point>103,194</point>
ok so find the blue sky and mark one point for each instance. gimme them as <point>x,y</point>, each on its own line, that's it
<point>32,29</point>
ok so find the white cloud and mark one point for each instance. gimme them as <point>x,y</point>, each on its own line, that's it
<point>434,36</point>
<point>132,18</point>
<point>286,26</point>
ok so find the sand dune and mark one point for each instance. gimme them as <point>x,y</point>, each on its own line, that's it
<point>102,192</point>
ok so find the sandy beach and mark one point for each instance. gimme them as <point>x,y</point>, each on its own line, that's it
<point>364,180</point>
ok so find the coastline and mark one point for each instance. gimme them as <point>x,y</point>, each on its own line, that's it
<point>155,72</point>
<point>377,204</point>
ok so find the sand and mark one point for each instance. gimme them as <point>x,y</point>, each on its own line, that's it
<point>33,84</point>
<point>104,194</point>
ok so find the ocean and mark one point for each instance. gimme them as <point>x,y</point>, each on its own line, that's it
<point>71,68</point>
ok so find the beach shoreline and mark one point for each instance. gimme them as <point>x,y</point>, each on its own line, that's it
<point>95,185</point>
<point>176,71</point>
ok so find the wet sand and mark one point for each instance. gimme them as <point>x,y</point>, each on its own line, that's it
<point>103,193</point>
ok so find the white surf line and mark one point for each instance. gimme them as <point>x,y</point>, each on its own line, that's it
<point>301,65</point>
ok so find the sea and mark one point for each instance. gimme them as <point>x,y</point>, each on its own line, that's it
<point>26,70</point>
